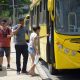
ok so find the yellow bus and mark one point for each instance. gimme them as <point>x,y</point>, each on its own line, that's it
<point>60,18</point>
<point>26,23</point>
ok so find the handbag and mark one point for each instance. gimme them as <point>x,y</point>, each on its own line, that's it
<point>36,59</point>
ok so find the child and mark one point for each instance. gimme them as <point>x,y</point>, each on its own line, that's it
<point>33,48</point>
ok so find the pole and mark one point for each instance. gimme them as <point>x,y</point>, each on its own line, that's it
<point>13,13</point>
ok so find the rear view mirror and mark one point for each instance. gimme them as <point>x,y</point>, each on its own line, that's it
<point>50,5</point>
<point>51,8</point>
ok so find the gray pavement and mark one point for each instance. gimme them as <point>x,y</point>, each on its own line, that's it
<point>10,74</point>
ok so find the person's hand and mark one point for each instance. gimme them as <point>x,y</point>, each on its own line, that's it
<point>8,36</point>
<point>47,34</point>
<point>19,25</point>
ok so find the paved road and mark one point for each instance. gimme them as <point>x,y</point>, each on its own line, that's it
<point>63,75</point>
<point>67,75</point>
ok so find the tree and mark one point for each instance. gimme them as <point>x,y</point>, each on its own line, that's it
<point>25,1</point>
<point>6,6</point>
<point>3,1</point>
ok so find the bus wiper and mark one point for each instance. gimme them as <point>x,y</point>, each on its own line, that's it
<point>73,40</point>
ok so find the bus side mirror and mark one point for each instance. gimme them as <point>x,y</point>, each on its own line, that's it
<point>50,5</point>
<point>51,8</point>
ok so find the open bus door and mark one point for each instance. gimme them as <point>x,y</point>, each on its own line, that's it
<point>50,46</point>
<point>50,30</point>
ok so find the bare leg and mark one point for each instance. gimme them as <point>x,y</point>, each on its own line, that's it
<point>32,57</point>
<point>1,60</point>
<point>8,60</point>
<point>32,70</point>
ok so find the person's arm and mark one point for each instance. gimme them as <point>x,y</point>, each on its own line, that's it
<point>16,30</point>
<point>9,33</point>
<point>9,36</point>
<point>43,36</point>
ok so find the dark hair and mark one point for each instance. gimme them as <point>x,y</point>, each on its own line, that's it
<point>21,19</point>
<point>4,20</point>
<point>36,28</point>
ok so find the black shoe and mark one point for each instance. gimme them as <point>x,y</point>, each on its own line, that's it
<point>0,67</point>
<point>18,72</point>
<point>24,72</point>
<point>8,66</point>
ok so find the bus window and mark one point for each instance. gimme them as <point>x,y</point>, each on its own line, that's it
<point>31,18</point>
<point>40,6</point>
<point>44,4</point>
<point>65,19</point>
<point>35,16</point>
<point>40,14</point>
<point>44,10</point>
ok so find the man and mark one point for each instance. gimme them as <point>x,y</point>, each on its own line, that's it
<point>20,45</point>
<point>5,39</point>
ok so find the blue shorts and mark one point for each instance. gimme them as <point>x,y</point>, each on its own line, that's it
<point>31,50</point>
<point>5,50</point>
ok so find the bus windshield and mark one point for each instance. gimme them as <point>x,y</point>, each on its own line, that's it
<point>68,17</point>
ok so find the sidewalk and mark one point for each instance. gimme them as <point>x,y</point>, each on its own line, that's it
<point>10,74</point>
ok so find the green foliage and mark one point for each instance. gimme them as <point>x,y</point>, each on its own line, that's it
<point>6,10</point>
<point>3,1</point>
<point>21,1</point>
<point>26,1</point>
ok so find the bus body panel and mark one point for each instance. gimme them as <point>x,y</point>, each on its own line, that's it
<point>43,42</point>
<point>66,52</point>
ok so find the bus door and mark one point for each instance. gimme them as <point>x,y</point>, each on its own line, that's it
<point>50,41</point>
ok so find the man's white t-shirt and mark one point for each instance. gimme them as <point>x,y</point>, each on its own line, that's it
<point>32,39</point>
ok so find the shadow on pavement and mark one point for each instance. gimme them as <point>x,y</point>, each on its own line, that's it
<point>69,75</point>
<point>35,75</point>
<point>47,79</point>
<point>11,69</point>
<point>3,72</point>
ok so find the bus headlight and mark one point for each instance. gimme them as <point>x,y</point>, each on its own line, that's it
<point>73,53</point>
<point>66,50</point>
<point>60,46</point>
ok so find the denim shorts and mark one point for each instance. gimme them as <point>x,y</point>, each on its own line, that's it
<point>31,50</point>
<point>5,50</point>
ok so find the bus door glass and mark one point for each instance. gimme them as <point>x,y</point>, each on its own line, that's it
<point>51,41</point>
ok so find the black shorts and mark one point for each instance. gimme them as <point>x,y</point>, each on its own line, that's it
<point>5,50</point>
